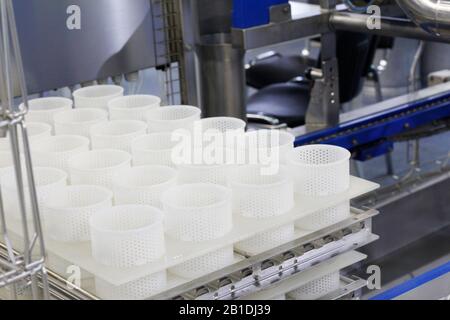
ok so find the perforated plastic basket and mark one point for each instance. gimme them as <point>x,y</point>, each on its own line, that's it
<point>44,109</point>
<point>317,288</point>
<point>117,134</point>
<point>204,265</point>
<point>127,236</point>
<point>171,118</point>
<point>49,183</point>
<point>325,218</point>
<point>320,170</point>
<point>215,174</point>
<point>56,151</point>
<point>132,107</point>
<point>266,147</point>
<point>153,149</point>
<point>220,132</point>
<point>136,290</point>
<point>256,195</point>
<point>78,121</point>
<point>197,212</point>
<point>36,132</point>
<point>6,161</point>
<point>96,96</point>
<point>222,124</point>
<point>143,185</point>
<point>267,240</point>
<point>67,214</point>
<point>98,167</point>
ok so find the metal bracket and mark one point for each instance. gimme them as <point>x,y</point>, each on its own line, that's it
<point>327,4</point>
<point>280,13</point>
<point>323,110</point>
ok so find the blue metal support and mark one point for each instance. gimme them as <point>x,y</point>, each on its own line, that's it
<point>250,13</point>
<point>371,136</point>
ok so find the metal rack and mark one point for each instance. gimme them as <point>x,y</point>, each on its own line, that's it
<point>24,270</point>
<point>278,265</point>
<point>169,47</point>
<point>310,255</point>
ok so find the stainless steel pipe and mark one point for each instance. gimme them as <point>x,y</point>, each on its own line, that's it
<point>431,15</point>
<point>222,77</point>
<point>389,27</point>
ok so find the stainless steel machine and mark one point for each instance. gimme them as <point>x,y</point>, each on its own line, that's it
<point>200,48</point>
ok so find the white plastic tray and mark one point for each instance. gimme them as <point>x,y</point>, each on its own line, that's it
<point>332,265</point>
<point>178,252</point>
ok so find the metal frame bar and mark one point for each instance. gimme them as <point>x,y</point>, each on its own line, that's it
<point>169,49</point>
<point>28,265</point>
<point>398,27</point>
<point>351,286</point>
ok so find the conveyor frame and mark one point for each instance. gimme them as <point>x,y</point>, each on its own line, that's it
<point>260,271</point>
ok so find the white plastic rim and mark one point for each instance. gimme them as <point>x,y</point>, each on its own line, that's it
<point>117,134</point>
<point>171,118</point>
<point>215,174</point>
<point>223,124</point>
<point>56,151</point>
<point>143,185</point>
<point>127,236</point>
<point>317,288</point>
<point>204,265</point>
<point>36,131</point>
<point>154,149</point>
<point>67,214</point>
<point>98,167</point>
<point>197,212</point>
<point>320,170</point>
<point>44,109</point>
<point>7,161</point>
<point>133,107</point>
<point>325,218</point>
<point>219,133</point>
<point>265,147</point>
<point>48,181</point>
<point>43,177</point>
<point>97,96</point>
<point>266,240</point>
<point>139,289</point>
<point>78,121</point>
<point>258,195</point>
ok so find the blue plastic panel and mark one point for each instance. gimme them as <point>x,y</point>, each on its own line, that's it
<point>250,13</point>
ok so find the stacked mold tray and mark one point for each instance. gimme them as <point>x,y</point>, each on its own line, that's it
<point>147,201</point>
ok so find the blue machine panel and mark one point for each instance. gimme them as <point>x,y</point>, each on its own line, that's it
<point>370,136</point>
<point>250,13</point>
